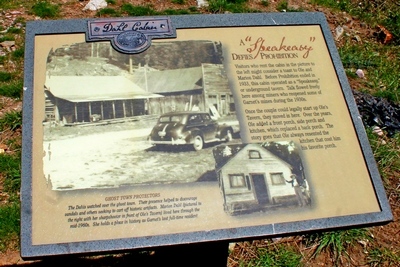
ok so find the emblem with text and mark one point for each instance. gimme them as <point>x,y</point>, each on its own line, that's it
<point>130,35</point>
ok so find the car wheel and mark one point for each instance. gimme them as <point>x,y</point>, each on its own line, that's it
<point>198,143</point>
<point>228,136</point>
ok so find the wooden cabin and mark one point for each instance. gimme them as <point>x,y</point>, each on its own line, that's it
<point>252,178</point>
<point>180,88</point>
<point>205,86</point>
<point>217,93</point>
<point>84,99</point>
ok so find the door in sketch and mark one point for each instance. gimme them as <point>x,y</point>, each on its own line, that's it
<point>260,188</point>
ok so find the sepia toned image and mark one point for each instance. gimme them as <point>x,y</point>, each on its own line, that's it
<point>261,177</point>
<point>112,118</point>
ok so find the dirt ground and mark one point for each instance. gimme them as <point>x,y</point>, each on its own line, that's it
<point>386,236</point>
<point>113,158</point>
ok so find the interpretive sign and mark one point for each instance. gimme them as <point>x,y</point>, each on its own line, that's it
<point>147,132</point>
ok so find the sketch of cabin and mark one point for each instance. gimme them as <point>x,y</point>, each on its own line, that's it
<point>252,178</point>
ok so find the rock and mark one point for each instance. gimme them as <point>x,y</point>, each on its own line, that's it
<point>346,28</point>
<point>294,7</point>
<point>375,111</point>
<point>94,5</point>
<point>383,35</point>
<point>357,38</point>
<point>8,45</point>
<point>3,148</point>
<point>202,3</point>
<point>378,131</point>
<point>360,73</point>
<point>339,32</point>
<point>15,12</point>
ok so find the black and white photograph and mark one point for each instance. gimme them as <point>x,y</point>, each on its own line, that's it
<point>113,119</point>
<point>261,177</point>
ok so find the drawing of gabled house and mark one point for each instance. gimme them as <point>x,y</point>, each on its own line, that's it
<point>252,178</point>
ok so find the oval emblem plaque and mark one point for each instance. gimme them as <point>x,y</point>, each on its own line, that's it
<point>130,40</point>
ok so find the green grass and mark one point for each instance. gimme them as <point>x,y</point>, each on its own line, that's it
<point>132,10</point>
<point>7,4</point>
<point>108,12</point>
<point>378,12</point>
<point>5,76</point>
<point>282,6</point>
<point>11,170</point>
<point>377,62</point>
<point>11,89</point>
<point>176,12</point>
<point>387,157</point>
<point>10,224</point>
<point>7,37</point>
<point>18,53</point>
<point>222,6</point>
<point>383,257</point>
<point>20,20</point>
<point>10,213</point>
<point>11,120</point>
<point>193,9</point>
<point>13,30</point>
<point>275,256</point>
<point>386,154</point>
<point>179,2</point>
<point>336,242</point>
<point>45,9</point>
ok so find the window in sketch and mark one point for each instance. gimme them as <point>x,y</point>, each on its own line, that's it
<point>277,178</point>
<point>254,154</point>
<point>237,180</point>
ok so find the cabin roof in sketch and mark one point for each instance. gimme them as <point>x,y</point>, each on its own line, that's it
<point>95,88</point>
<point>224,154</point>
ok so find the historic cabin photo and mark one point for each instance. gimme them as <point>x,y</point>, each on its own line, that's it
<point>83,99</point>
<point>117,118</point>
<point>254,177</point>
<point>91,83</point>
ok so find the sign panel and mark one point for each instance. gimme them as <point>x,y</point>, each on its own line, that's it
<point>232,127</point>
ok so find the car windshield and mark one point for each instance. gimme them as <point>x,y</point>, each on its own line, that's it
<point>171,118</point>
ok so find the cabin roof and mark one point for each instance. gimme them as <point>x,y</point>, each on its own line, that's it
<point>222,158</point>
<point>170,81</point>
<point>95,88</point>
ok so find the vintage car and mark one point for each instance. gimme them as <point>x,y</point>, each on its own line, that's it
<point>189,128</point>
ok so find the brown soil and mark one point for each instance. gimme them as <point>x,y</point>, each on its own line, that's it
<point>385,236</point>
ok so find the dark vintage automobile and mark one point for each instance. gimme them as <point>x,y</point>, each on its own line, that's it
<point>189,128</point>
